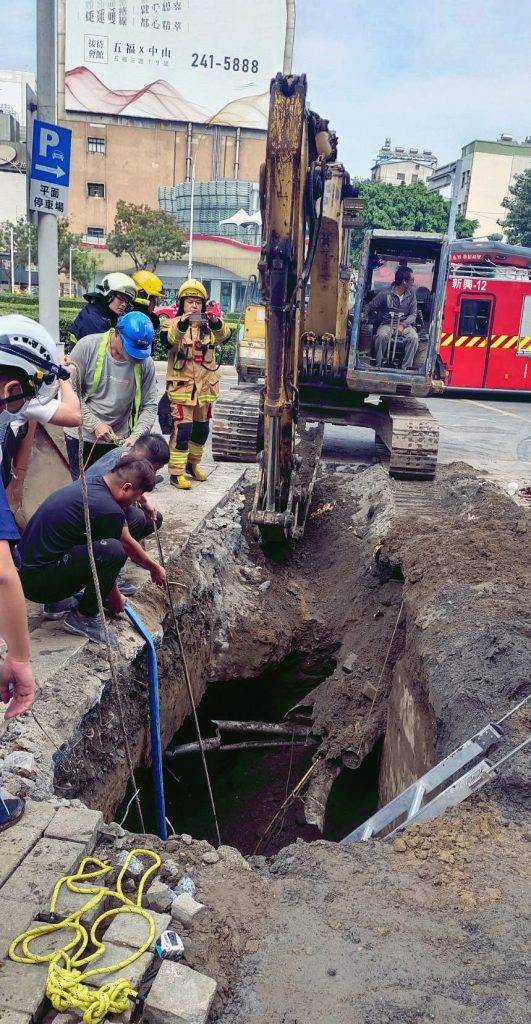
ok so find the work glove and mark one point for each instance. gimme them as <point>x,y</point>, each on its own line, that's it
<point>183,324</point>
<point>215,325</point>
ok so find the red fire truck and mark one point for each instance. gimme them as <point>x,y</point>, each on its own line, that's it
<point>486,328</point>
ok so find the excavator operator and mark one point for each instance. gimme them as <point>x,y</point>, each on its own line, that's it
<point>192,379</point>
<point>390,305</point>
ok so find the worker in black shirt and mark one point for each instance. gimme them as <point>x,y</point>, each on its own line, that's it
<point>53,552</point>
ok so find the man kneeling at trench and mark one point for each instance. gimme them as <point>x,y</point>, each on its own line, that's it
<point>53,553</point>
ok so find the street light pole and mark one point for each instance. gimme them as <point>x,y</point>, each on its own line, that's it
<point>191,231</point>
<point>12,259</point>
<point>48,255</point>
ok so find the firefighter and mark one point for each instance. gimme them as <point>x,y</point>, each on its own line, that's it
<point>192,379</point>
<point>114,297</point>
<point>150,292</point>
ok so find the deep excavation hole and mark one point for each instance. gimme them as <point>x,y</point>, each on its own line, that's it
<point>250,785</point>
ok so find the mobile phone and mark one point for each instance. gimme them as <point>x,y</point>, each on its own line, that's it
<point>195,318</point>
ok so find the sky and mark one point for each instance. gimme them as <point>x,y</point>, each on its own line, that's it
<point>429,74</point>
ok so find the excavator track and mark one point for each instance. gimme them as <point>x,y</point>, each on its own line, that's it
<point>236,429</point>
<point>411,435</point>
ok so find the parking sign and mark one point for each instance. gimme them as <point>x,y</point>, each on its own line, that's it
<point>50,169</point>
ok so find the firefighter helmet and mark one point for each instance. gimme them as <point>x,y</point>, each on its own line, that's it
<point>121,283</point>
<point>193,290</point>
<point>149,283</point>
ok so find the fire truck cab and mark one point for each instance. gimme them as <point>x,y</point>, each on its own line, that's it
<point>485,340</point>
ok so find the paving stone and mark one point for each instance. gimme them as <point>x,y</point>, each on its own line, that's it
<point>76,825</point>
<point>179,996</point>
<point>159,897</point>
<point>15,918</point>
<point>132,930</point>
<point>52,941</point>
<point>12,1017</point>
<point>18,840</point>
<point>184,908</point>
<point>22,986</point>
<point>68,902</point>
<point>49,860</point>
<point>113,954</point>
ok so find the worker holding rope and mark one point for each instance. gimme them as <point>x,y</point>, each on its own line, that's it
<point>192,379</point>
<point>118,386</point>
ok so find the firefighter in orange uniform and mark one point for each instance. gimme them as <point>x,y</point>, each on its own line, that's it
<point>192,379</point>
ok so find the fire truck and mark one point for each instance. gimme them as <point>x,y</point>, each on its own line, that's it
<point>485,339</point>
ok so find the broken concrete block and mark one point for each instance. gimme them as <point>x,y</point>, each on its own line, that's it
<point>186,884</point>
<point>78,826</point>
<point>369,690</point>
<point>132,929</point>
<point>179,996</point>
<point>210,857</point>
<point>13,1017</point>
<point>187,840</point>
<point>22,762</point>
<point>47,861</point>
<point>158,897</point>
<point>233,858</point>
<point>22,987</point>
<point>349,663</point>
<point>184,908</point>
<point>133,973</point>
<point>172,870</point>
<point>135,867</point>
<point>15,918</point>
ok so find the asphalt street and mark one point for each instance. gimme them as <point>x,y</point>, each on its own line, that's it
<point>494,436</point>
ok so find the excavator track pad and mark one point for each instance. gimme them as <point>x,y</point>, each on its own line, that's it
<point>411,435</point>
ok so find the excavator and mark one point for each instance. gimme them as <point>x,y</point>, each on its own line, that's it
<point>319,366</point>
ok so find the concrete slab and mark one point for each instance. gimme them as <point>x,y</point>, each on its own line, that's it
<point>22,987</point>
<point>113,955</point>
<point>68,902</point>
<point>15,918</point>
<point>17,841</point>
<point>179,996</point>
<point>132,930</point>
<point>48,861</point>
<point>76,825</point>
<point>12,1017</point>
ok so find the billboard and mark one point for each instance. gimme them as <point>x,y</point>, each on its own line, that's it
<point>206,61</point>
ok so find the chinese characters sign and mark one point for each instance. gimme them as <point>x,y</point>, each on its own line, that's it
<point>50,169</point>
<point>206,61</point>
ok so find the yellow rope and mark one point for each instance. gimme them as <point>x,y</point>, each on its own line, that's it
<point>65,986</point>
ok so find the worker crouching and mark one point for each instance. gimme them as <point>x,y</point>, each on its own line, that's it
<point>192,379</point>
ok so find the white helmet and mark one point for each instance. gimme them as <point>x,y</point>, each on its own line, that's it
<point>118,283</point>
<point>26,345</point>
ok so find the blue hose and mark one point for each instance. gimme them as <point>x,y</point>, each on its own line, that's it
<point>154,709</point>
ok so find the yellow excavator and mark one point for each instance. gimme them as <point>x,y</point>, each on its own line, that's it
<point>319,363</point>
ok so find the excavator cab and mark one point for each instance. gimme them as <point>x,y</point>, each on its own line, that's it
<point>426,254</point>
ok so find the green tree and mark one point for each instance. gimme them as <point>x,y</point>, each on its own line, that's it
<point>84,261</point>
<point>517,224</point>
<point>147,236</point>
<point>405,208</point>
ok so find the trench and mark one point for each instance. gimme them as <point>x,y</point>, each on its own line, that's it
<point>250,786</point>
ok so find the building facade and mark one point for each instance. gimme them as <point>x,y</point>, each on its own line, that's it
<point>395,165</point>
<point>116,157</point>
<point>487,171</point>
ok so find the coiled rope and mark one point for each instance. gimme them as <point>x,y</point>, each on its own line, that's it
<point>66,986</point>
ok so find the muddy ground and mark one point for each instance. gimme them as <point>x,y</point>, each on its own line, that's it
<point>419,593</point>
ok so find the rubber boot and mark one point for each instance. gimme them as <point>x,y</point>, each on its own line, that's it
<point>180,482</point>
<point>195,470</point>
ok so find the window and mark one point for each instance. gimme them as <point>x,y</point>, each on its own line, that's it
<point>96,189</point>
<point>400,177</point>
<point>525,328</point>
<point>95,144</point>
<point>95,233</point>
<point>474,316</point>
<point>226,296</point>
<point>414,178</point>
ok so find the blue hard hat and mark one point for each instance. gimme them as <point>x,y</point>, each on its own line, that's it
<point>136,332</point>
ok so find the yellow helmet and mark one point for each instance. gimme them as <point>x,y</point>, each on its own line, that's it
<point>193,290</point>
<point>149,283</point>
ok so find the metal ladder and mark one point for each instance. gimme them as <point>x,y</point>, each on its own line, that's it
<point>425,799</point>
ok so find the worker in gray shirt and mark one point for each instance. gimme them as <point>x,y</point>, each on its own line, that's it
<point>393,309</point>
<point>116,376</point>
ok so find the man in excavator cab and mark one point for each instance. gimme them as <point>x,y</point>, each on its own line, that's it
<point>394,312</point>
<point>113,298</point>
<point>192,379</point>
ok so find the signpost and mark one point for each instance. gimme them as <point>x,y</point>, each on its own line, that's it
<point>50,169</point>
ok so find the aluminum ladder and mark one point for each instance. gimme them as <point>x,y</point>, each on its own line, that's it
<point>425,799</point>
